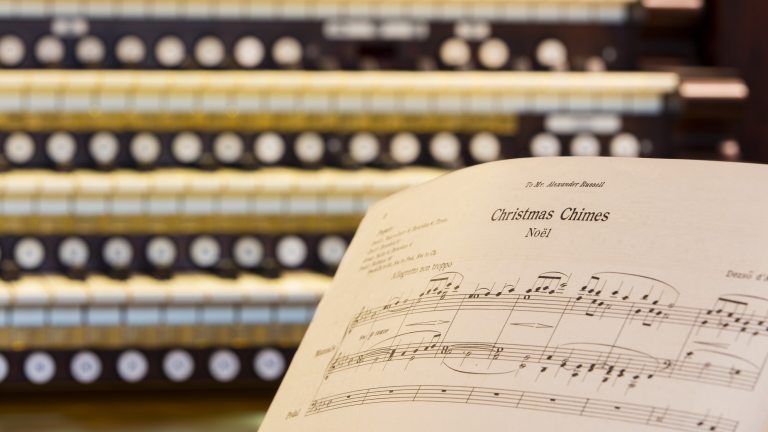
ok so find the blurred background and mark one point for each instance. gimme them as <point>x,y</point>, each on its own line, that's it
<point>181,178</point>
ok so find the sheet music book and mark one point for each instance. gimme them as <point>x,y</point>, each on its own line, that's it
<point>578,294</point>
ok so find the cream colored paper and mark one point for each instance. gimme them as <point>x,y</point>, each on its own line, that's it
<point>627,295</point>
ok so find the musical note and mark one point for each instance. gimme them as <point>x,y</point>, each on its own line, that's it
<point>525,400</point>
<point>602,361</point>
<point>620,302</point>
<point>550,304</point>
<point>597,333</point>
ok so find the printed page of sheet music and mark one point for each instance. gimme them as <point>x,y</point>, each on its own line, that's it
<point>579,294</point>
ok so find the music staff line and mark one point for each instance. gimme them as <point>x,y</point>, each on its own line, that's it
<point>576,361</point>
<point>648,314</point>
<point>578,406</point>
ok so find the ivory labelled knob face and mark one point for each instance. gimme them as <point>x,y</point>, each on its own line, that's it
<point>104,148</point>
<point>309,147</point>
<point>187,147</point>
<point>493,54</point>
<point>210,51</point>
<point>74,252</point>
<point>205,251</point>
<point>49,50</point>
<point>625,145</point>
<point>552,53</point>
<point>170,51</point>
<point>248,252</point>
<point>269,364</point>
<point>29,253</point>
<point>4,368</point>
<point>455,52</point>
<point>730,149</point>
<point>545,144</point>
<point>85,367</point>
<point>130,50</point>
<point>331,249</point>
<point>19,148</point>
<point>161,252</point>
<point>585,144</point>
<point>269,148</point>
<point>595,64</point>
<point>117,252</point>
<point>224,365</point>
<point>291,251</point>
<point>90,50</point>
<point>485,147</point>
<point>404,148</point>
<point>228,148</point>
<point>12,50</point>
<point>132,366</point>
<point>39,367</point>
<point>61,148</point>
<point>445,148</point>
<point>178,365</point>
<point>287,51</point>
<point>249,52</point>
<point>364,148</point>
<point>145,148</point>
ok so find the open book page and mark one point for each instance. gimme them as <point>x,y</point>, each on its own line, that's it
<point>547,294</point>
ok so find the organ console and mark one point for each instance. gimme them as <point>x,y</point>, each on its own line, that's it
<point>65,119</point>
<point>180,179</point>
